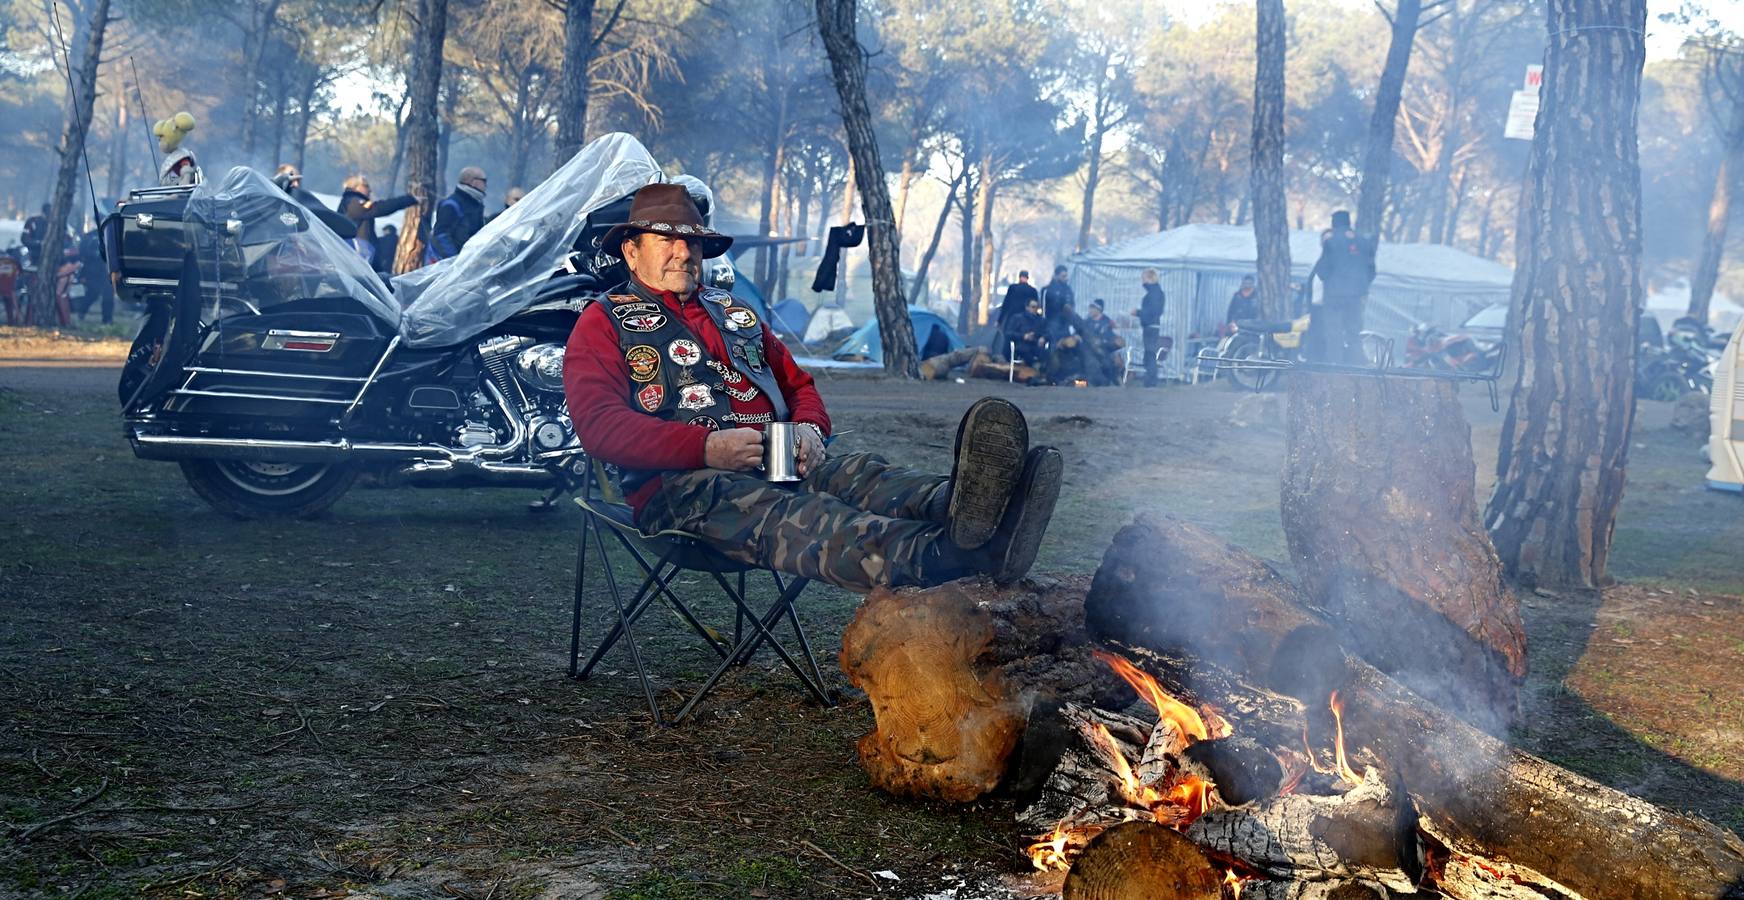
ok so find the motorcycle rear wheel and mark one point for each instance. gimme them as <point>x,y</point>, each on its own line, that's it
<point>1249,379</point>
<point>268,490</point>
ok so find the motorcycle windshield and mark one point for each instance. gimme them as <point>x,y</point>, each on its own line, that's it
<point>498,272</point>
<point>257,249</point>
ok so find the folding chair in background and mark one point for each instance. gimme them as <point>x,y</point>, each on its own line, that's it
<point>674,553</point>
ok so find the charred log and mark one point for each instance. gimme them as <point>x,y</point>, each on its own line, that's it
<point>952,673</point>
<point>1381,518</point>
<point>1315,890</point>
<point>1142,861</point>
<point>1243,770</point>
<point>1533,822</point>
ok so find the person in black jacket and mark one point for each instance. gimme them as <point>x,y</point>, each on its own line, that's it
<point>357,205</point>
<point>1243,304</point>
<point>1023,331</point>
<point>1346,268</point>
<point>1057,295</point>
<point>1068,351</point>
<point>1102,346</point>
<point>1017,298</point>
<point>1150,318</point>
<point>460,216</point>
<point>290,181</point>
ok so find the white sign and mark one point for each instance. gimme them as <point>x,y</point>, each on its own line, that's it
<point>1534,78</point>
<point>1522,110</point>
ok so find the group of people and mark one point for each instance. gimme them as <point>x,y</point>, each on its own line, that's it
<point>81,266</point>
<point>1044,331</point>
<point>457,218</point>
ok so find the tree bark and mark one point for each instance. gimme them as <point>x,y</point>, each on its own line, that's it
<point>1513,812</point>
<point>1577,297</point>
<point>1092,176</point>
<point>73,137</point>
<point>966,284</point>
<point>984,245</point>
<point>918,285</point>
<point>254,53</point>
<point>848,65</point>
<point>951,673</point>
<point>572,97</point>
<point>421,130</point>
<point>1381,517</point>
<point>445,139</point>
<point>1707,272</point>
<point>402,128</point>
<point>1378,157</point>
<point>117,175</point>
<point>303,119</point>
<point>1271,221</point>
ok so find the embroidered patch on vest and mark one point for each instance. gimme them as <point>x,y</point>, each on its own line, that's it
<point>623,309</point>
<point>728,374</point>
<point>695,396</point>
<point>739,317</point>
<point>644,362</point>
<point>650,397</point>
<point>684,352</point>
<point>624,298</point>
<point>716,296</point>
<point>645,322</point>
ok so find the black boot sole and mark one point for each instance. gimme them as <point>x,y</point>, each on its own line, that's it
<point>1026,522</point>
<point>991,442</point>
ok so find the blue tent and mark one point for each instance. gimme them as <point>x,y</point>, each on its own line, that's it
<point>789,317</point>
<point>932,335</point>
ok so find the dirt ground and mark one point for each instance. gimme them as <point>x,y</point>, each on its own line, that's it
<point>375,703</point>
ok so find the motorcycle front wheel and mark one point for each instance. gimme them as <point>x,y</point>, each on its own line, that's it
<point>247,489</point>
<point>1243,377</point>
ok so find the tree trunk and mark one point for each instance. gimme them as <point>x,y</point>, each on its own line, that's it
<point>446,131</point>
<point>1707,272</point>
<point>73,136</point>
<point>1092,176</point>
<point>1543,826</point>
<point>421,130</point>
<point>952,672</point>
<point>1381,517</point>
<point>967,281</point>
<point>117,180</point>
<point>902,185</point>
<point>984,248</point>
<point>848,65</point>
<point>281,97</point>
<point>1378,157</point>
<point>766,197</point>
<point>572,96</point>
<point>254,52</point>
<point>303,119</point>
<point>402,127</point>
<point>918,286</point>
<point>1577,295</point>
<point>1271,221</point>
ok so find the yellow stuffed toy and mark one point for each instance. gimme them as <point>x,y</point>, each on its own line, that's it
<point>179,166</point>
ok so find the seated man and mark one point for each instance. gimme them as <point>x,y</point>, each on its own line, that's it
<point>672,384</point>
<point>1068,354</point>
<point>1104,345</point>
<point>1025,329</point>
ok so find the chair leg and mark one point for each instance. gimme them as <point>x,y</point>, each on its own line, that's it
<point>580,585</point>
<point>624,625</point>
<point>799,630</point>
<point>662,588</point>
<point>638,604</point>
<point>753,642</point>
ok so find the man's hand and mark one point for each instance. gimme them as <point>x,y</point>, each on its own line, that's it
<point>733,449</point>
<point>811,449</point>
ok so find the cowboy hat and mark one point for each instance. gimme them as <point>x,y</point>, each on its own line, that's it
<point>666,209</point>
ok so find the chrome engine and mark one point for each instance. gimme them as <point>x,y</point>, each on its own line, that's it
<point>530,375</point>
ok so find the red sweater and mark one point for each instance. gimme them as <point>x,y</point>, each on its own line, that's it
<point>596,381</point>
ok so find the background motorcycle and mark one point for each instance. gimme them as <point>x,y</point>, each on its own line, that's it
<point>274,367</point>
<point>1428,347</point>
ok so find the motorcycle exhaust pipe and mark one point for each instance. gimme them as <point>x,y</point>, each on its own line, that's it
<point>439,472</point>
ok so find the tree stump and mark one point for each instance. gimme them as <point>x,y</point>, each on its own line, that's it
<point>1142,861</point>
<point>952,673</point>
<point>1381,517</point>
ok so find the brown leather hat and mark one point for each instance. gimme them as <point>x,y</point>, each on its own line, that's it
<point>666,209</point>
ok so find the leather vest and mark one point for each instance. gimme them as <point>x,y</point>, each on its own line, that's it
<point>674,377</point>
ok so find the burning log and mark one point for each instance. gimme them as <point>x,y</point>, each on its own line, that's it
<point>1532,822</point>
<point>1381,517</point>
<point>1367,834</point>
<point>1314,890</point>
<point>1143,861</point>
<point>953,671</point>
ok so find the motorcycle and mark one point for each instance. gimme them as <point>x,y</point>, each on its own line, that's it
<point>276,368</point>
<point>1256,351</point>
<point>1428,347</point>
<point>1679,366</point>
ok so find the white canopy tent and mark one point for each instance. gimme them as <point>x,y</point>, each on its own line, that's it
<point>1201,265</point>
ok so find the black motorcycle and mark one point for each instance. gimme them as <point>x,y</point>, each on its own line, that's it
<point>275,367</point>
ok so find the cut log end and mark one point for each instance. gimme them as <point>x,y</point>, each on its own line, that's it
<point>1142,861</point>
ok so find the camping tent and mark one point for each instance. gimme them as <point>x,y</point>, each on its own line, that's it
<point>932,335</point>
<point>789,319</point>
<point>1201,266</point>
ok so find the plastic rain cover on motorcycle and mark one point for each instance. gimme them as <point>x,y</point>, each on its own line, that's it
<point>499,270</point>
<point>263,249</point>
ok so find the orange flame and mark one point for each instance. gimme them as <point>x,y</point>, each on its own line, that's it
<point>1344,770</point>
<point>1233,883</point>
<point>1049,853</point>
<point>1185,718</point>
<point>1141,795</point>
<point>1194,793</point>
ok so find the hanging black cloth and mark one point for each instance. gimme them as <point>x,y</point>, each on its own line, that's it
<point>849,235</point>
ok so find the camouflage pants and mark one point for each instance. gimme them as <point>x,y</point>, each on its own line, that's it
<point>855,522</point>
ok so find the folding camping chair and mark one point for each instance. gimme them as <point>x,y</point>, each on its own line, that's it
<point>676,552</point>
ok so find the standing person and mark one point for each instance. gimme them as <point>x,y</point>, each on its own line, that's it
<point>94,273</point>
<point>1150,319</point>
<point>672,382</point>
<point>357,205</point>
<point>1017,298</point>
<point>1346,268</point>
<point>386,245</point>
<point>1057,295</point>
<point>35,232</point>
<point>289,180</point>
<point>459,216</point>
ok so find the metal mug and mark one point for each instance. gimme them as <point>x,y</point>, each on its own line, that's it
<point>780,457</point>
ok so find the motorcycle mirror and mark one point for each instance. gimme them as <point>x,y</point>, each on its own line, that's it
<point>723,278</point>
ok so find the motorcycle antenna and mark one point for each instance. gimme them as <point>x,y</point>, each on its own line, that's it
<point>144,117</point>
<point>73,98</point>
